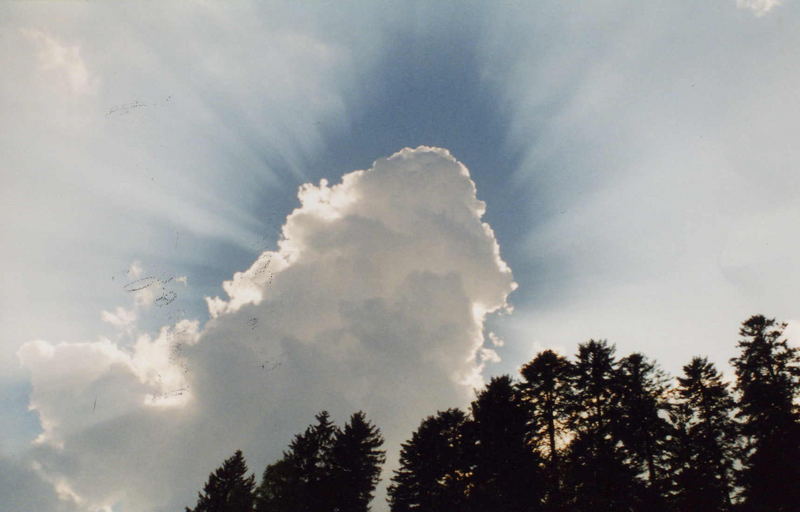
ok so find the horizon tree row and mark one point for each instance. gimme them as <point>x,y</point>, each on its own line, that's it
<point>592,433</point>
<point>601,433</point>
<point>325,468</point>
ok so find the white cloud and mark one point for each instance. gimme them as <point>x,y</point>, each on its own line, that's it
<point>759,7</point>
<point>489,355</point>
<point>146,289</point>
<point>120,318</point>
<point>135,271</point>
<point>80,385</point>
<point>496,340</point>
<point>62,61</point>
<point>375,297</point>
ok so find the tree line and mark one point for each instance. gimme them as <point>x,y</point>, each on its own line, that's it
<point>592,433</point>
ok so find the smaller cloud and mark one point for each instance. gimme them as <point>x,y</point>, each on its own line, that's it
<point>759,7</point>
<point>488,355</point>
<point>151,289</point>
<point>120,318</point>
<point>65,62</point>
<point>123,319</point>
<point>496,340</point>
<point>135,270</point>
<point>145,296</point>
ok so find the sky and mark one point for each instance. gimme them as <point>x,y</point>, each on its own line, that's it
<point>219,219</point>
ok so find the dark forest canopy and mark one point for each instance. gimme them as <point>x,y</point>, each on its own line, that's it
<point>593,433</point>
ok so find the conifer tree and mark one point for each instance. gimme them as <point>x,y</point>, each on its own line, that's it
<point>703,440</point>
<point>642,424</point>
<point>311,457</point>
<point>768,385</point>
<point>302,480</point>
<point>681,456</point>
<point>356,464</point>
<point>228,489</point>
<point>597,475</point>
<point>546,389</point>
<point>432,473</point>
<point>504,468</point>
<point>280,489</point>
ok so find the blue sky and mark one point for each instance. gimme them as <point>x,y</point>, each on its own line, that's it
<point>637,162</point>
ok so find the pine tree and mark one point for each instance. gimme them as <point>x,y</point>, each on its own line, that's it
<point>280,489</point>
<point>504,470</point>
<point>546,389</point>
<point>228,489</point>
<point>703,442</point>
<point>597,476</point>
<point>302,480</point>
<point>642,424</point>
<point>681,456</point>
<point>356,464</point>
<point>768,385</point>
<point>311,456</point>
<point>432,473</point>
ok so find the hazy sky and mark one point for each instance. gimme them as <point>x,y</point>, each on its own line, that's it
<point>212,230</point>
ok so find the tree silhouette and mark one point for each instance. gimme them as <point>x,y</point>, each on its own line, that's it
<point>279,490</point>
<point>432,476</point>
<point>302,480</point>
<point>546,389</point>
<point>641,427</point>
<point>356,464</point>
<point>311,457</point>
<point>325,469</point>
<point>703,440</point>
<point>594,434</point>
<point>597,475</point>
<point>228,489</point>
<point>504,469</point>
<point>768,383</point>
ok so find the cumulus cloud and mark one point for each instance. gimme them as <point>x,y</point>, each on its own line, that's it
<point>375,299</point>
<point>759,7</point>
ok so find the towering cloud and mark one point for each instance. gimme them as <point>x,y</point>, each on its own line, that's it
<point>375,299</point>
